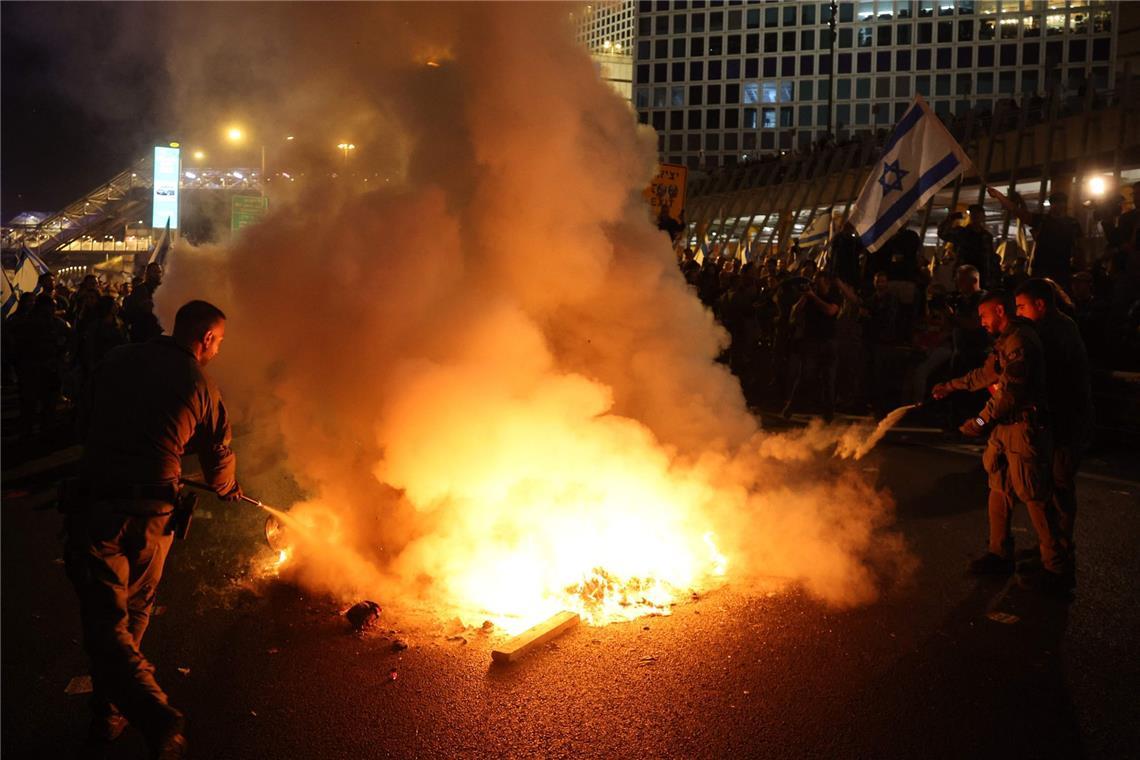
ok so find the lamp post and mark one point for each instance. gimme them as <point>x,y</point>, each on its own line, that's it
<point>236,135</point>
<point>831,73</point>
<point>345,147</point>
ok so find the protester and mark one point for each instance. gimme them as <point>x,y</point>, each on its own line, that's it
<point>138,307</point>
<point>41,341</point>
<point>973,243</point>
<point>1057,235</point>
<point>814,316</point>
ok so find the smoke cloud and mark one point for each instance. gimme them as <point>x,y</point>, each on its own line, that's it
<point>482,366</point>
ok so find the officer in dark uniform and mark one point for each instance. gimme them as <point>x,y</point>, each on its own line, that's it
<point>1017,456</point>
<point>147,404</point>
<point>1070,394</point>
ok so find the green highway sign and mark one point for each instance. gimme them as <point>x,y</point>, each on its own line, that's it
<point>247,210</point>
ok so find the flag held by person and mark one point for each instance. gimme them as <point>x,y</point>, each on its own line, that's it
<point>27,278</point>
<point>162,247</point>
<point>816,233</point>
<point>919,159</point>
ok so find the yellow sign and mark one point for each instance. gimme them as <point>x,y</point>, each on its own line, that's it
<point>666,193</point>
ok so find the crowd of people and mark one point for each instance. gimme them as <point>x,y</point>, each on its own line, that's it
<point>895,321</point>
<point>56,335</point>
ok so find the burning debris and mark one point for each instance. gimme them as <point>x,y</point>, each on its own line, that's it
<point>549,629</point>
<point>364,615</point>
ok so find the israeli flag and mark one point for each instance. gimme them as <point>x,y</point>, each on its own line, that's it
<point>162,247</point>
<point>919,159</point>
<point>819,231</point>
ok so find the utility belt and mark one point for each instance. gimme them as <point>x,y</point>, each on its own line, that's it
<point>1031,415</point>
<point>75,497</point>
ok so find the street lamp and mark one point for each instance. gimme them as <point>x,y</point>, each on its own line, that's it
<point>345,147</point>
<point>235,135</point>
<point>199,155</point>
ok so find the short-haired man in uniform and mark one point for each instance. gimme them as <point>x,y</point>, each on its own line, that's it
<point>1017,456</point>
<point>1070,394</point>
<point>147,405</point>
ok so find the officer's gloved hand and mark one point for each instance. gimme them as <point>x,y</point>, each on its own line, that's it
<point>970,428</point>
<point>941,391</point>
<point>234,493</point>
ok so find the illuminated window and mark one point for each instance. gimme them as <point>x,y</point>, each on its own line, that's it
<point>1009,28</point>
<point>751,92</point>
<point>866,11</point>
<point>677,96</point>
<point>1055,23</point>
<point>1102,21</point>
<point>1032,26</point>
<point>787,92</point>
<point>750,118</point>
<point>769,118</point>
<point>768,92</point>
<point>988,7</point>
<point>658,97</point>
<point>1080,22</point>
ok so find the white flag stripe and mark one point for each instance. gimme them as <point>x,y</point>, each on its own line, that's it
<point>920,158</point>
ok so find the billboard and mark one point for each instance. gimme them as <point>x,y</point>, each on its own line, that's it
<point>167,167</point>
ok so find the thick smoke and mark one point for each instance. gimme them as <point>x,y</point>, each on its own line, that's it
<point>483,365</point>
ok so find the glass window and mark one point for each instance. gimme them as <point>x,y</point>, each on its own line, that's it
<point>696,95</point>
<point>787,117</point>
<point>965,31</point>
<point>716,21</point>
<point>752,43</point>
<point>922,59</point>
<point>883,87</point>
<point>964,84</point>
<point>925,34</point>
<point>661,49</point>
<point>900,111</point>
<point>883,60</point>
<point>807,88</point>
<point>946,8</point>
<point>732,93</point>
<point>734,44</point>
<point>659,120</point>
<point>985,83</point>
<point>752,18</point>
<point>805,116</point>
<point>846,12</point>
<point>658,97</point>
<point>862,114</point>
<point>863,63</point>
<point>733,69</point>
<point>733,21</point>
<point>641,97</point>
<point>677,96</point>
<point>965,57</point>
<point>902,60</point>
<point>866,11</point>
<point>821,116</point>
<point>677,120</point>
<point>771,42</point>
<point>1009,28</point>
<point>771,16</point>
<point>862,88</point>
<point>925,8</point>
<point>807,65</point>
<point>1009,55</point>
<point>770,67</point>
<point>789,15</point>
<point>679,71</point>
<point>844,63</point>
<point>712,142</point>
<point>807,40</point>
<point>789,40</point>
<point>662,25</point>
<point>643,50</point>
<point>787,92</point>
<point>643,73</point>
<point>1031,26</point>
<point>843,89</point>
<point>716,45</point>
<point>1029,82</point>
<point>678,47</point>
<point>1006,81</point>
<point>845,37</point>
<point>644,26</point>
<point>768,92</point>
<point>807,14</point>
<point>751,92</point>
<point>942,84</point>
<point>1101,49</point>
<point>1078,51</point>
<point>788,66</point>
<point>922,85</point>
<point>660,72</point>
<point>987,29</point>
<point>1031,53</point>
<point>883,36</point>
<point>942,58</point>
<point>1102,21</point>
<point>842,115</point>
<point>769,118</point>
<point>752,67</point>
<point>882,112</point>
<point>1079,22</point>
<point>696,71</point>
<point>750,118</point>
<point>824,13</point>
<point>680,22</point>
<point>945,31</point>
<point>902,87</point>
<point>714,69</point>
<point>712,118</point>
<point>697,22</point>
<point>696,47</point>
<point>865,36</point>
<point>986,56</point>
<point>694,123</point>
<point>642,117</point>
<point>731,138</point>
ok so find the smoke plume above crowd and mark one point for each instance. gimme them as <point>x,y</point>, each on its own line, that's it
<point>482,366</point>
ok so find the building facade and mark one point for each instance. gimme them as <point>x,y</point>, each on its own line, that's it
<point>606,29</point>
<point>721,82</point>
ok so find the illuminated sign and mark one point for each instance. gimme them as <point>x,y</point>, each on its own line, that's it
<point>247,210</point>
<point>166,171</point>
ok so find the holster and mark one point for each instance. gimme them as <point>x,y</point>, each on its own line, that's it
<point>187,502</point>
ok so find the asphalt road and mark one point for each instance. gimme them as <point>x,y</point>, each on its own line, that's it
<point>263,671</point>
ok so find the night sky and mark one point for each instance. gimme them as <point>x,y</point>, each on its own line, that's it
<point>81,97</point>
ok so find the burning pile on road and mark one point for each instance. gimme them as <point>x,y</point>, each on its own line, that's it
<point>483,365</point>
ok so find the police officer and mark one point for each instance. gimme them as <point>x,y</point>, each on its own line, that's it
<point>1069,391</point>
<point>1017,454</point>
<point>147,404</point>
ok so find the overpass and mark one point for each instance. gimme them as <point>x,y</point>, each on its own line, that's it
<point>1033,146</point>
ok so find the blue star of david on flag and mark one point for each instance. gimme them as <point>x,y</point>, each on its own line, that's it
<point>892,168</point>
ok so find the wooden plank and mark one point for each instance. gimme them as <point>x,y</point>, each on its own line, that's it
<point>548,629</point>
